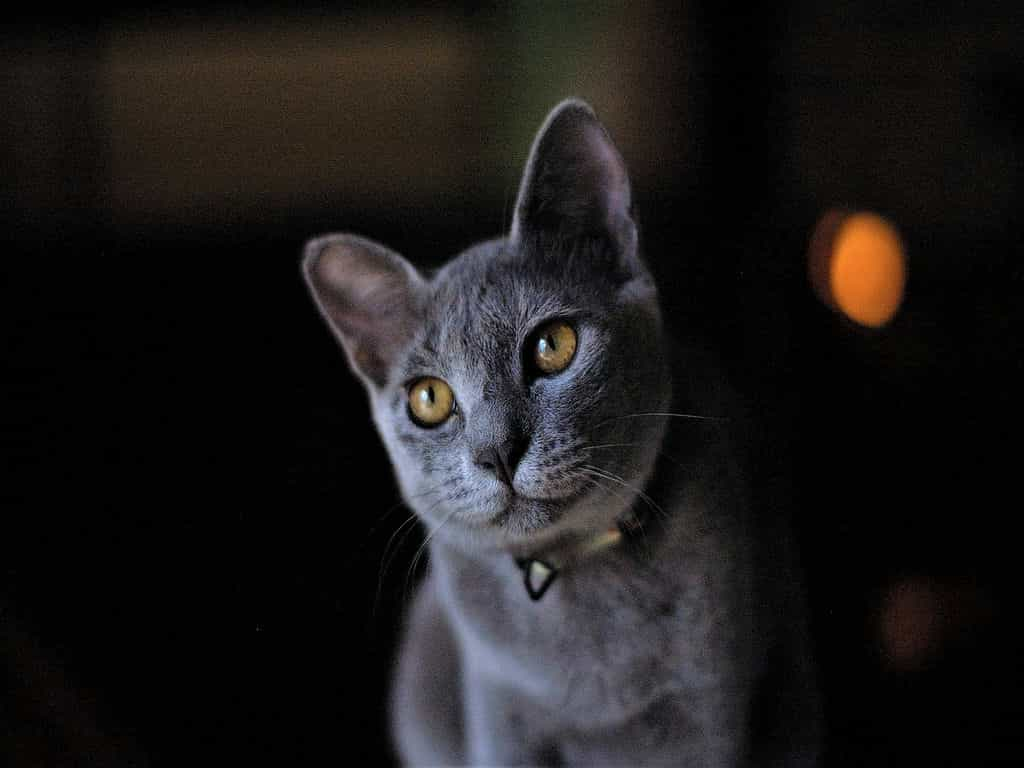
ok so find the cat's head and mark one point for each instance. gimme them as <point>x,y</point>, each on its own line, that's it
<point>503,385</point>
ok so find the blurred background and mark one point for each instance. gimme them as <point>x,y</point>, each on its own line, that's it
<point>197,559</point>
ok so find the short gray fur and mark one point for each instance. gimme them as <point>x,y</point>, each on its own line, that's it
<point>683,646</point>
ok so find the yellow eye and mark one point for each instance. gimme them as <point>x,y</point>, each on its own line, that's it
<point>430,401</point>
<point>555,347</point>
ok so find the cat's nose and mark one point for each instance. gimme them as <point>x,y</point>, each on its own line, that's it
<point>502,459</point>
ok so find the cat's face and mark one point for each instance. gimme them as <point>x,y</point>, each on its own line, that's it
<point>505,387</point>
<point>515,451</point>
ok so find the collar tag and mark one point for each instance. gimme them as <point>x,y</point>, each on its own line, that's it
<point>538,574</point>
<point>537,577</point>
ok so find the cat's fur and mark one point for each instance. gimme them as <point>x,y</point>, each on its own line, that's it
<point>684,645</point>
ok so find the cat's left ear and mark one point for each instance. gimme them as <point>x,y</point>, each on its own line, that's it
<point>575,183</point>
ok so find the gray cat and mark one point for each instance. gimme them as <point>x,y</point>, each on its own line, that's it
<point>599,591</point>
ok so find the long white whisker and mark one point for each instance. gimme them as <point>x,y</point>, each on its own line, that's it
<point>615,478</point>
<point>385,561</point>
<point>422,548</point>
<point>660,453</point>
<point>590,476</point>
<point>398,505</point>
<point>663,414</point>
<point>640,525</point>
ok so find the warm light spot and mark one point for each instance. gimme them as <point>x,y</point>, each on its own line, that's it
<point>920,618</point>
<point>858,266</point>
<point>912,623</point>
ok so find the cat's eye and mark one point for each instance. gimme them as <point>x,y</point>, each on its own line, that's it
<point>431,401</point>
<point>554,347</point>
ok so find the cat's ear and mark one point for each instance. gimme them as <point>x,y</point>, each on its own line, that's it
<point>575,183</point>
<point>369,296</point>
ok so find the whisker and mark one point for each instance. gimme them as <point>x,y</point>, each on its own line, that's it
<point>589,477</point>
<point>422,549</point>
<point>385,561</point>
<point>664,414</point>
<point>615,478</point>
<point>398,505</point>
<point>648,553</point>
<point>380,521</point>
<point>661,453</point>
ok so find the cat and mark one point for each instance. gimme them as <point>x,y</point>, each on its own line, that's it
<point>600,589</point>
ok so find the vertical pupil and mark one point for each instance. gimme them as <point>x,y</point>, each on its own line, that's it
<point>548,342</point>
<point>427,396</point>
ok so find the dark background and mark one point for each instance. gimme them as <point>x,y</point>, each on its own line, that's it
<point>196,511</point>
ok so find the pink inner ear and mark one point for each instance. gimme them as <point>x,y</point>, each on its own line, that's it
<point>367,302</point>
<point>367,295</point>
<point>350,275</point>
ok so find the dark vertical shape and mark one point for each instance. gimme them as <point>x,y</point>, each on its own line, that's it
<point>746,258</point>
<point>740,48</point>
<point>752,258</point>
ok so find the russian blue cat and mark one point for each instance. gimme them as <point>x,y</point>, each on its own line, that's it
<point>600,589</point>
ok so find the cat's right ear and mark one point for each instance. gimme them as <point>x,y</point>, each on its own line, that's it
<point>369,296</point>
<point>575,183</point>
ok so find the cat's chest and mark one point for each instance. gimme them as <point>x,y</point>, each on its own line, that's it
<point>604,641</point>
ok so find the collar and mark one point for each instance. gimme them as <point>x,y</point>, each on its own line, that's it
<point>541,570</point>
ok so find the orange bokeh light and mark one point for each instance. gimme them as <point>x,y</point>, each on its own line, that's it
<point>858,266</point>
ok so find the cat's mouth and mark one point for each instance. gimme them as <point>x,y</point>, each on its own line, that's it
<point>527,515</point>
